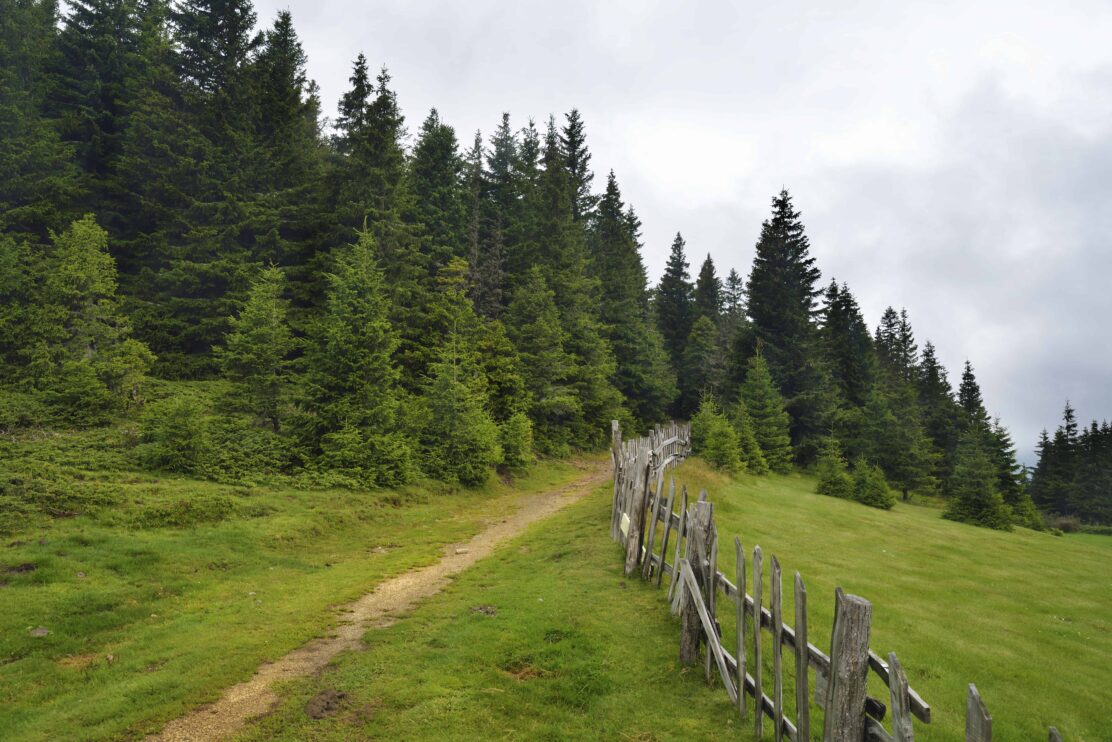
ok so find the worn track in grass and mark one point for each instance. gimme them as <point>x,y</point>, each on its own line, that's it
<point>378,608</point>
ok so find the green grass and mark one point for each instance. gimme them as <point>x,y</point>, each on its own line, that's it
<point>158,592</point>
<point>544,640</point>
<point>576,652</point>
<point>1026,616</point>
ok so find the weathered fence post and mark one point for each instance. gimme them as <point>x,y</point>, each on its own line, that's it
<point>636,510</point>
<point>758,692</point>
<point>739,571</point>
<point>667,533</point>
<point>699,536</point>
<point>802,659</point>
<point>776,590</point>
<point>681,531</point>
<point>1053,736</point>
<point>849,669</point>
<point>902,730</point>
<point>978,722</point>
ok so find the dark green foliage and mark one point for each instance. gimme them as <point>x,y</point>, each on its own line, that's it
<point>439,190</point>
<point>870,487</point>
<point>673,303</point>
<point>750,450</point>
<point>573,140</point>
<point>350,393</point>
<point>974,498</point>
<point>174,437</point>
<point>38,178</point>
<point>1073,477</point>
<point>782,290</point>
<point>459,440</point>
<point>707,298</point>
<point>714,438</point>
<point>79,352</point>
<point>833,472</point>
<point>643,376</point>
<point>536,333</point>
<point>515,434</point>
<point>770,422</point>
<point>969,399</point>
<point>847,345</point>
<point>255,351</point>
<point>702,369</point>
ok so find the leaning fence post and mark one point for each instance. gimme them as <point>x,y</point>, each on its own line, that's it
<point>739,569</point>
<point>849,668</point>
<point>667,533</point>
<point>637,511</point>
<point>978,722</point>
<point>758,692</point>
<point>1053,736</point>
<point>902,731</point>
<point>691,627</point>
<point>680,533</point>
<point>776,590</point>
<point>802,659</point>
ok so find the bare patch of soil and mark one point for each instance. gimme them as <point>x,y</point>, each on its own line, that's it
<point>325,703</point>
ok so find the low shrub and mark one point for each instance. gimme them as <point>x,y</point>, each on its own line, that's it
<point>516,437</point>
<point>173,437</point>
<point>714,438</point>
<point>833,472</point>
<point>870,487</point>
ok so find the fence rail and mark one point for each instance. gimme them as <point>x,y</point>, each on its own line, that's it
<point>850,714</point>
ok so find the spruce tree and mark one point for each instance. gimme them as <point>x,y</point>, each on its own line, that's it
<point>832,471</point>
<point>459,440</point>
<point>573,140</point>
<point>83,357</point>
<point>38,181</point>
<point>439,192</point>
<point>974,498</point>
<point>714,438</point>
<point>847,345</point>
<point>972,405</point>
<point>701,373</point>
<point>707,297</point>
<point>643,375</point>
<point>534,327</point>
<point>350,381</point>
<point>673,303</point>
<point>782,291</point>
<point>255,353</point>
<point>765,407</point>
<point>750,450</point>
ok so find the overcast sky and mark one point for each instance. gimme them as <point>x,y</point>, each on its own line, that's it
<point>951,158</point>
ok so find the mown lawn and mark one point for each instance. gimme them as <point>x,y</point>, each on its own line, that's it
<point>163,591</point>
<point>1026,616</point>
<point>543,641</point>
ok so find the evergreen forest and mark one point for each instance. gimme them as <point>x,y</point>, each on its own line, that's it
<point>385,298</point>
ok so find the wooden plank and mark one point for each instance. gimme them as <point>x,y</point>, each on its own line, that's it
<point>713,645</point>
<point>667,529</point>
<point>776,597</point>
<point>650,542</point>
<point>739,568</point>
<point>636,511</point>
<point>757,582</point>
<point>691,633</point>
<point>764,705</point>
<point>802,700</point>
<point>875,731</point>
<point>849,657</point>
<point>978,722</point>
<point>710,573</point>
<point>1053,735</point>
<point>680,533</point>
<point>902,730</point>
<point>920,708</point>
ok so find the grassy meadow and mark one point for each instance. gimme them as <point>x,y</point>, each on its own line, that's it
<point>158,592</point>
<point>545,640</point>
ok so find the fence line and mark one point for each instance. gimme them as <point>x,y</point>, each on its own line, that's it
<point>850,714</point>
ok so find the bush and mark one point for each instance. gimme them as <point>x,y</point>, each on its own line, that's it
<point>174,437</point>
<point>20,410</point>
<point>1064,523</point>
<point>516,436</point>
<point>1024,513</point>
<point>78,396</point>
<point>239,449</point>
<point>378,461</point>
<point>870,488</point>
<point>833,472</point>
<point>714,438</point>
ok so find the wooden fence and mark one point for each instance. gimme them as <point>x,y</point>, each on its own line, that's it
<point>841,677</point>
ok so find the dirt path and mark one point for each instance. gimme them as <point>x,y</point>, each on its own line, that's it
<point>376,609</point>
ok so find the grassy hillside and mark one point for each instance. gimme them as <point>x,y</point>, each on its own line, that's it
<point>547,641</point>
<point>1026,616</point>
<point>158,592</point>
